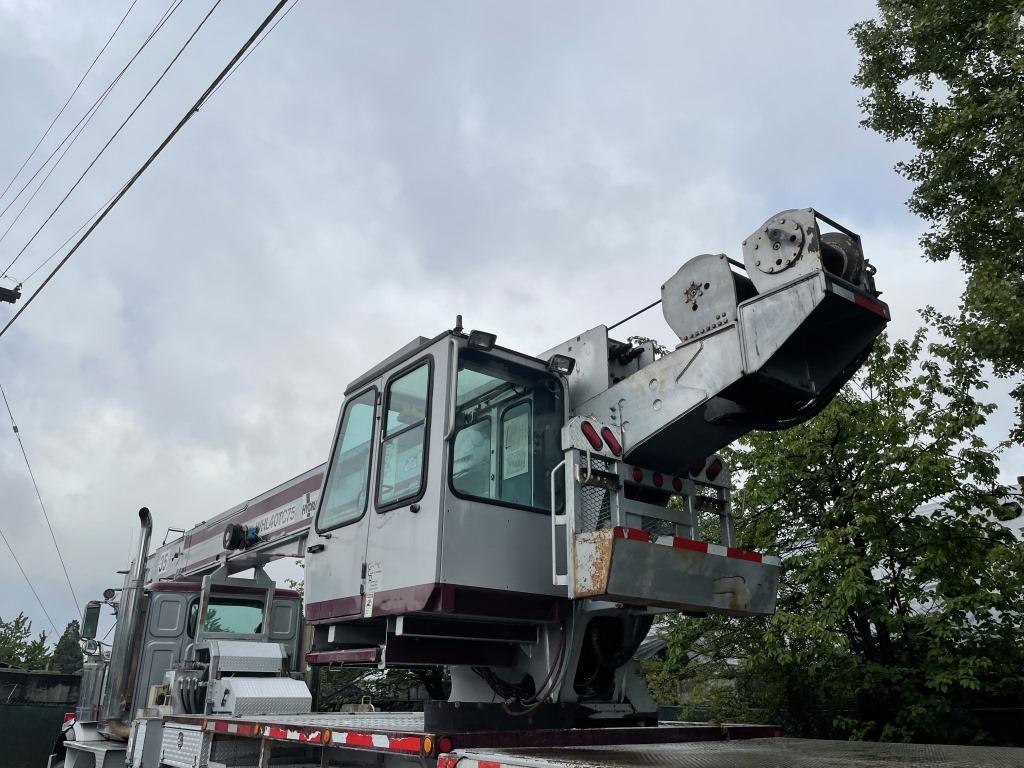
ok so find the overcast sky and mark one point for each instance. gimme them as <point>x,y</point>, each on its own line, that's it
<point>371,171</point>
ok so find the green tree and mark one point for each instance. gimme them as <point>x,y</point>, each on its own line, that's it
<point>18,649</point>
<point>948,77</point>
<point>67,655</point>
<point>893,623</point>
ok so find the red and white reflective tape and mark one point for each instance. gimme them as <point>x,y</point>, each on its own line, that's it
<point>861,301</point>
<point>407,744</point>
<point>707,548</point>
<point>233,729</point>
<point>633,534</point>
<point>311,736</point>
<point>454,761</point>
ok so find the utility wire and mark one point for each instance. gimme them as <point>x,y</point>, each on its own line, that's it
<point>42,506</point>
<point>65,106</point>
<point>149,161</point>
<point>71,237</point>
<point>99,99</point>
<point>117,132</point>
<point>86,223</point>
<point>257,45</point>
<point>29,582</point>
<point>90,115</point>
<point>49,173</point>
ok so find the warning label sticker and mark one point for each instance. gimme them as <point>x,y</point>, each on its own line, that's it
<point>515,455</point>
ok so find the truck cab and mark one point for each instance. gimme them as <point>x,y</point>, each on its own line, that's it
<point>174,622</point>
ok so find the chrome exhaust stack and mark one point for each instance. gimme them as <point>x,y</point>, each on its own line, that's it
<point>115,721</point>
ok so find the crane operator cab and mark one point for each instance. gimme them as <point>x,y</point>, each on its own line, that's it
<point>521,519</point>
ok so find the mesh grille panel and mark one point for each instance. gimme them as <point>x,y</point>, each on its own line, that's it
<point>595,503</point>
<point>657,527</point>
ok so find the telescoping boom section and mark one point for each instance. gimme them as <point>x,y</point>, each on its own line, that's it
<point>522,518</point>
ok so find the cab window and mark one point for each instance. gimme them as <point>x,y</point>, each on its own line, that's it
<point>403,442</point>
<point>229,615</point>
<point>508,439</point>
<point>348,476</point>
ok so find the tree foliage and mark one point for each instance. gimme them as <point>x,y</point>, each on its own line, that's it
<point>67,654</point>
<point>18,649</point>
<point>948,77</point>
<point>893,623</point>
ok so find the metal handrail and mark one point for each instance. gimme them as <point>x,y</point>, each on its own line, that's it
<point>557,579</point>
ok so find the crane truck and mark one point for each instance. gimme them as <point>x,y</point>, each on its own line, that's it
<point>518,519</point>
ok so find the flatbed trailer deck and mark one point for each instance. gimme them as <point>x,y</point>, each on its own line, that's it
<point>403,734</point>
<point>752,753</point>
<point>398,738</point>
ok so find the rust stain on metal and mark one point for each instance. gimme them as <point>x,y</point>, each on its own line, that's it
<point>592,562</point>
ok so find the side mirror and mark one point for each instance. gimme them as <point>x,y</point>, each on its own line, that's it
<point>91,620</point>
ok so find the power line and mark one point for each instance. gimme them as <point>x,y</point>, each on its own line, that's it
<point>97,212</point>
<point>65,106</point>
<point>87,118</point>
<point>86,115</point>
<point>149,161</point>
<point>70,237</point>
<point>253,49</point>
<point>116,133</point>
<point>29,582</point>
<point>42,506</point>
<point>48,173</point>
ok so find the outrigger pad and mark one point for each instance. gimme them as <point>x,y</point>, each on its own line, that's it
<point>476,716</point>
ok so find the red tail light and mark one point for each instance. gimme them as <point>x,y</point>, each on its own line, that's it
<point>677,485</point>
<point>591,434</point>
<point>444,744</point>
<point>714,469</point>
<point>611,441</point>
<point>697,467</point>
<point>69,717</point>
<point>658,479</point>
<point>638,475</point>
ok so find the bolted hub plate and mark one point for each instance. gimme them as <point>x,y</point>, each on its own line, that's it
<point>778,244</point>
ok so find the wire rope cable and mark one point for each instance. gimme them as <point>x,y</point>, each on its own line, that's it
<point>117,132</point>
<point>39,496</point>
<point>149,161</point>
<point>65,105</point>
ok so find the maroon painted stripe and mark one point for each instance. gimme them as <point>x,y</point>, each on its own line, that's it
<point>350,655</point>
<point>454,599</point>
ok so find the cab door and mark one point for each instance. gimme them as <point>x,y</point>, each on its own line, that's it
<point>337,543</point>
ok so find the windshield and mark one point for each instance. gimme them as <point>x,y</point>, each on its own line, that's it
<point>232,615</point>
<point>508,439</point>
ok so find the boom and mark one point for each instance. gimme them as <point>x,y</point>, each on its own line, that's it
<point>267,527</point>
